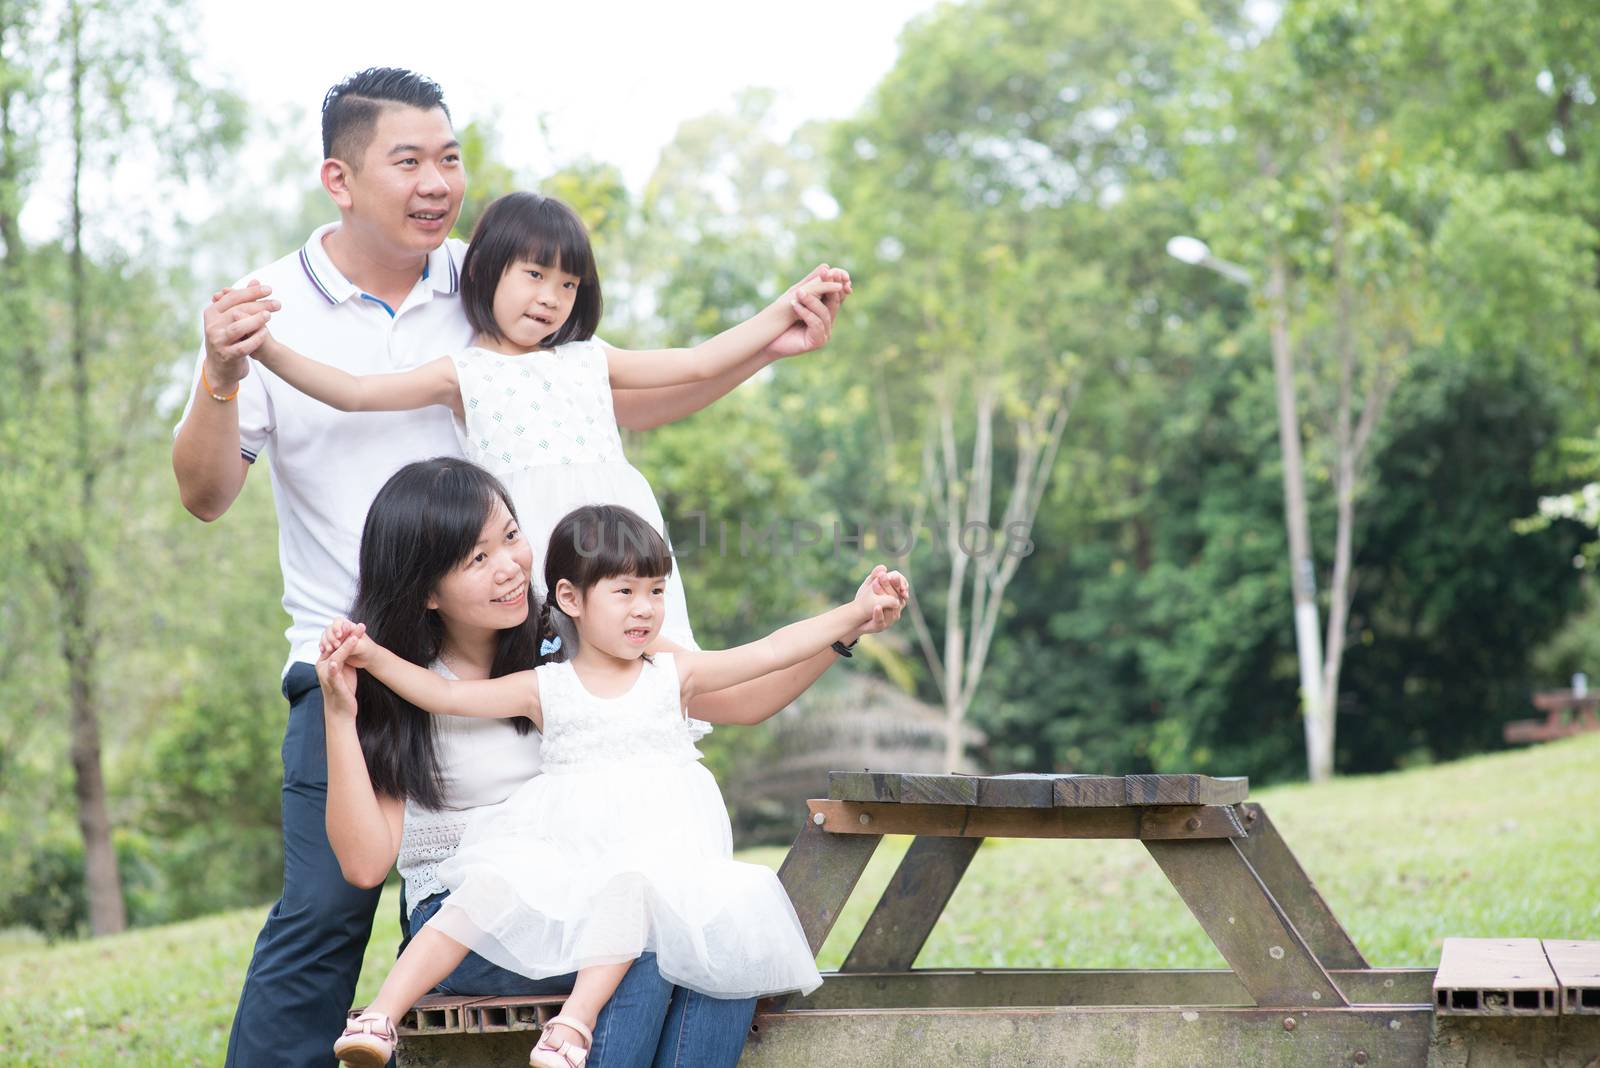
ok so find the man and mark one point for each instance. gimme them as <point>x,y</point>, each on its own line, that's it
<point>376,291</point>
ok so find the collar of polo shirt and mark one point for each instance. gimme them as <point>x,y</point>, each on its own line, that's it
<point>440,270</point>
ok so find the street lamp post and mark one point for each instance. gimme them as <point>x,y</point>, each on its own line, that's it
<point>1302,573</point>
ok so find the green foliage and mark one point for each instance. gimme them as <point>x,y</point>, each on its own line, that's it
<point>1003,201</point>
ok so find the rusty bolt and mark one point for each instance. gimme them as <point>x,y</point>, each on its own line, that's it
<point>1290,1023</point>
<point>1249,815</point>
<point>865,819</point>
<point>819,819</point>
<point>1193,823</point>
<point>1361,1056</point>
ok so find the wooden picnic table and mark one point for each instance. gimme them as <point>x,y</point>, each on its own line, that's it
<point>1297,991</point>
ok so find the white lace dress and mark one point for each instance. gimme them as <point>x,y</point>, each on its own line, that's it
<point>543,424</point>
<point>621,846</point>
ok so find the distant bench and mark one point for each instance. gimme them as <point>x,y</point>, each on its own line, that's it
<point>1565,714</point>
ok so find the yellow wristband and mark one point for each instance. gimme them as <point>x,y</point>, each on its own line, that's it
<point>214,394</point>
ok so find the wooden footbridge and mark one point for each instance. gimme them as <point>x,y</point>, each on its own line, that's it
<point>1297,990</point>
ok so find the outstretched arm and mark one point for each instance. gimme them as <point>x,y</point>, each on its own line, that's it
<point>505,697</point>
<point>646,368</point>
<point>434,382</point>
<point>881,593</point>
<point>645,409</point>
<point>760,699</point>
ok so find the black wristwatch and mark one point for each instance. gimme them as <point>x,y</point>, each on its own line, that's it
<point>844,650</point>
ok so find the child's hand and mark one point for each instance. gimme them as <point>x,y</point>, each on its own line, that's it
<point>881,598</point>
<point>334,635</point>
<point>890,582</point>
<point>259,341</point>
<point>338,678</point>
<point>821,286</point>
<point>342,632</point>
<point>813,315</point>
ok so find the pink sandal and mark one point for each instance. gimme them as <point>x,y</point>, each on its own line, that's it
<point>546,1054</point>
<point>368,1041</point>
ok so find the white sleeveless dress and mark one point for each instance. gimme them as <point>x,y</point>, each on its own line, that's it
<point>542,423</point>
<point>621,845</point>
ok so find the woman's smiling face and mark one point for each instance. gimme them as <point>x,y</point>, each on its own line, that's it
<point>488,590</point>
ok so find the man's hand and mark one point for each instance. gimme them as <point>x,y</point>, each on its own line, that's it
<point>233,328</point>
<point>814,325</point>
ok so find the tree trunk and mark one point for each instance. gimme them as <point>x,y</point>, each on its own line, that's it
<point>76,576</point>
<point>955,630</point>
<point>1302,574</point>
<point>1344,479</point>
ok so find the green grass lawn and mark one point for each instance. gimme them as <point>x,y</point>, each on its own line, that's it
<point>1499,845</point>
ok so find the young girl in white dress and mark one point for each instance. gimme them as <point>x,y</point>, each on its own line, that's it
<point>532,396</point>
<point>622,844</point>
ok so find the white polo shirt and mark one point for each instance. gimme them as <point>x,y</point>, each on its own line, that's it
<point>327,465</point>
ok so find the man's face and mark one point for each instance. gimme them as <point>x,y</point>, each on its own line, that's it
<point>406,193</point>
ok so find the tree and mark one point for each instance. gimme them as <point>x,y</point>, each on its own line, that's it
<point>68,438</point>
<point>987,195</point>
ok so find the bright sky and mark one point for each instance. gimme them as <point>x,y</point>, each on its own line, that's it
<point>612,79</point>
<point>609,80</point>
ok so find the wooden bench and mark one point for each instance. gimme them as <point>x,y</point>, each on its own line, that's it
<point>1565,714</point>
<point>1517,977</point>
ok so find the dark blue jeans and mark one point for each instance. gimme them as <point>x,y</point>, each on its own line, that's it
<point>303,973</point>
<point>648,1023</point>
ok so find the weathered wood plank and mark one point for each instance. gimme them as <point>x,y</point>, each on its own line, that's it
<point>1035,790</point>
<point>864,785</point>
<point>1189,821</point>
<point>938,789</point>
<point>1389,1037</point>
<point>996,987</point>
<point>1495,977</point>
<point>819,872</point>
<point>1289,885</point>
<point>1577,969</point>
<point>957,821</point>
<point>1016,791</point>
<point>1184,790</point>
<point>1245,923</point>
<point>911,904</point>
<point>1091,791</point>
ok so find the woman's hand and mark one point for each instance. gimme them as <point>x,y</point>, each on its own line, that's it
<point>815,313</point>
<point>338,678</point>
<point>891,583</point>
<point>881,598</point>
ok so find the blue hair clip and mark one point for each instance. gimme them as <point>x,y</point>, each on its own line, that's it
<point>549,645</point>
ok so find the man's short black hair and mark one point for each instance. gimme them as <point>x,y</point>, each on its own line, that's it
<point>351,108</point>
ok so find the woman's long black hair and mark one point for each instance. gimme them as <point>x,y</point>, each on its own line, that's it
<point>421,526</point>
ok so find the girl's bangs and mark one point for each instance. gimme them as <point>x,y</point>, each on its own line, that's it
<point>560,242</point>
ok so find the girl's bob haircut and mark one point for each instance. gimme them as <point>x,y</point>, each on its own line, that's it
<point>528,227</point>
<point>592,544</point>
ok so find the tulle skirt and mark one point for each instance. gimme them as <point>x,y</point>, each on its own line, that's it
<point>589,867</point>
